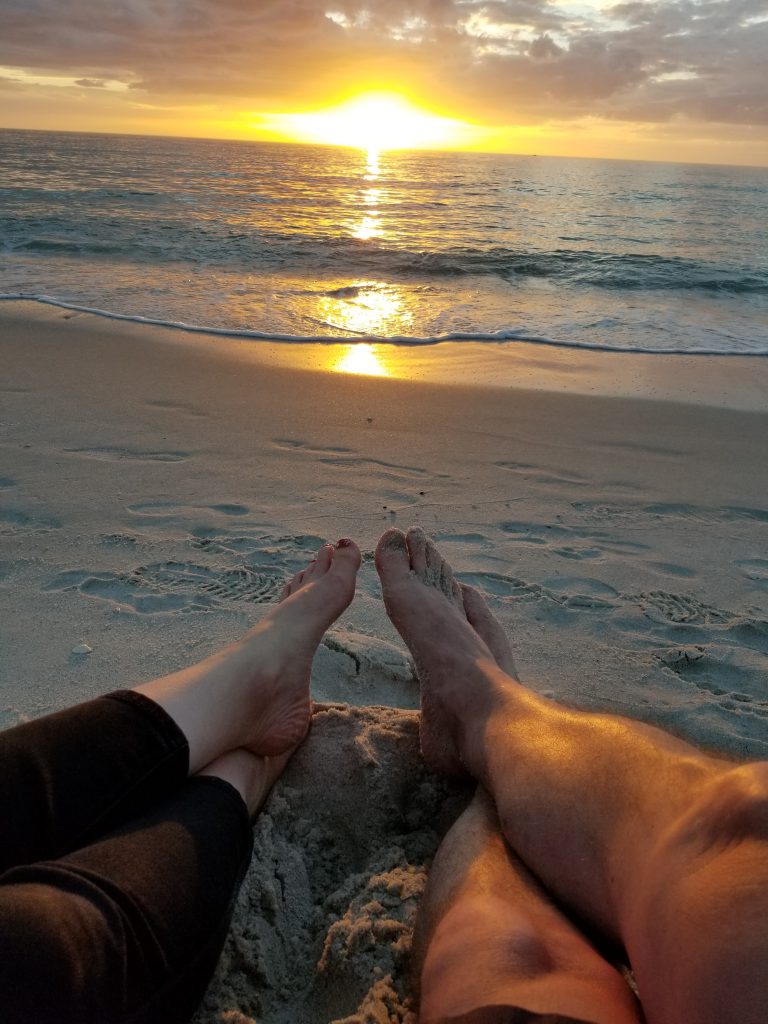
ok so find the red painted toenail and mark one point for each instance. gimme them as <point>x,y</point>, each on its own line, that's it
<point>345,542</point>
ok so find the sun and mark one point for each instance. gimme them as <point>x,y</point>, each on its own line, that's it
<point>373,122</point>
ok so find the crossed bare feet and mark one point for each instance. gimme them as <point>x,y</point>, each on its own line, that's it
<point>253,699</point>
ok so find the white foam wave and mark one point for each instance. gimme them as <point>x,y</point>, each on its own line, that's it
<point>497,337</point>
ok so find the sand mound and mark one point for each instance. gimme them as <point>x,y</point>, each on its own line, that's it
<point>322,930</point>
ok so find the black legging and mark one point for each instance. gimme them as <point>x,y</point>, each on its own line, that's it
<point>118,873</point>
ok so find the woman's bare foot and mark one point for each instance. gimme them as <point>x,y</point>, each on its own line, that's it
<point>490,945</point>
<point>252,776</point>
<point>457,645</point>
<point>255,693</point>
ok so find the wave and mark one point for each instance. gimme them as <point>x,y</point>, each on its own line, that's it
<point>631,271</point>
<point>506,336</point>
<point>238,246</point>
<point>67,246</point>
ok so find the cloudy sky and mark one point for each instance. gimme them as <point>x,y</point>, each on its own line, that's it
<point>673,79</point>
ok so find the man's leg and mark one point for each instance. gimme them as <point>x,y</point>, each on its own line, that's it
<point>663,848</point>
<point>482,908</point>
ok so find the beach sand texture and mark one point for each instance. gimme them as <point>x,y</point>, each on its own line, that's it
<point>156,492</point>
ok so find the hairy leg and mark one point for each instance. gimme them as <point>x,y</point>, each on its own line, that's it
<point>255,693</point>
<point>661,846</point>
<point>492,940</point>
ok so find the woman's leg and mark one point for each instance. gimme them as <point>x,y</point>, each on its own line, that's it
<point>71,776</point>
<point>663,848</point>
<point>130,927</point>
<point>74,775</point>
<point>483,908</point>
<point>255,693</point>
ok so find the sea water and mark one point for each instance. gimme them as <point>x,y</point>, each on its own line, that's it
<point>313,242</point>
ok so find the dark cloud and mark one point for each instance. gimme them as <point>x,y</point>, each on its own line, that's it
<point>500,60</point>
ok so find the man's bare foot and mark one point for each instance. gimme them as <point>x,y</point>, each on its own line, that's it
<point>490,946</point>
<point>488,628</point>
<point>252,776</point>
<point>457,645</point>
<point>255,693</point>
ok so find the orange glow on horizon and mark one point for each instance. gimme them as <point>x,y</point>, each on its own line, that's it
<point>373,122</point>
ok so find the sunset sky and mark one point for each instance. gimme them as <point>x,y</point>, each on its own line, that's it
<point>667,80</point>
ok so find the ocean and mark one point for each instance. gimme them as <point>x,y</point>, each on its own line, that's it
<point>308,243</point>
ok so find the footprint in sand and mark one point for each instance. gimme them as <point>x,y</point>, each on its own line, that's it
<point>669,510</point>
<point>578,553</point>
<point>580,592</point>
<point>754,569</point>
<point>678,608</point>
<point>287,552</point>
<point>475,539</point>
<point>349,458</point>
<point>177,513</point>
<point>126,455</point>
<point>174,586</point>
<point>497,585</point>
<point>304,446</point>
<point>14,522</point>
<point>175,407</point>
<point>537,475</point>
<point>725,670</point>
<point>569,542</point>
<point>672,569</point>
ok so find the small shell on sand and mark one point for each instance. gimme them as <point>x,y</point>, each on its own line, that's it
<point>82,649</point>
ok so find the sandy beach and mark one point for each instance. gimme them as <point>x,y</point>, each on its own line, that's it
<point>158,488</point>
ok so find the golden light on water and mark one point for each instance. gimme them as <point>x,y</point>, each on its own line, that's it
<point>366,308</point>
<point>368,227</point>
<point>373,122</point>
<point>361,358</point>
<point>373,165</point>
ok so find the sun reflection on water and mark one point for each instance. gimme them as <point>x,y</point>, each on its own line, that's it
<point>369,227</point>
<point>366,308</point>
<point>361,358</point>
<point>373,164</point>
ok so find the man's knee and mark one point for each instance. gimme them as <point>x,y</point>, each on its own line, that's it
<point>733,808</point>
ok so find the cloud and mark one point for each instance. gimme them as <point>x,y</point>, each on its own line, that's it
<point>500,61</point>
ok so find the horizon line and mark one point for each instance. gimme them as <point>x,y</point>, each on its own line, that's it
<point>387,149</point>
